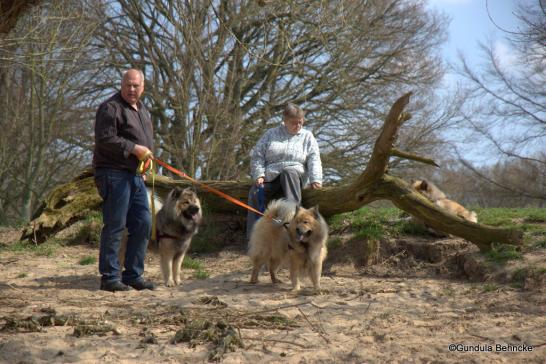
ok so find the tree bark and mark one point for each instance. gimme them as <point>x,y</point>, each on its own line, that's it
<point>74,200</point>
<point>11,11</point>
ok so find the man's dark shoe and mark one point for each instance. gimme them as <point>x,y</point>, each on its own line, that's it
<point>140,285</point>
<point>114,286</point>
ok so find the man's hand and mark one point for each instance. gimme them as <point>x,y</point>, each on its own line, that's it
<point>142,152</point>
<point>316,185</point>
<point>259,181</point>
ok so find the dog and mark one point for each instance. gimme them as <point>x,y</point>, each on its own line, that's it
<point>433,193</point>
<point>177,220</point>
<point>300,238</point>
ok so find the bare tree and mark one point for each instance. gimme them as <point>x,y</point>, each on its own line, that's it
<point>507,107</point>
<point>45,72</point>
<point>11,11</point>
<point>219,72</point>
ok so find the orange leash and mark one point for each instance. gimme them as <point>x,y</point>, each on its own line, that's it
<point>208,188</point>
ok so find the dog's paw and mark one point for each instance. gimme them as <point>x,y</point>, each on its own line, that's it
<point>296,289</point>
<point>177,282</point>
<point>170,283</point>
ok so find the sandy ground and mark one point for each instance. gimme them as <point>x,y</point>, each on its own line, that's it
<point>358,319</point>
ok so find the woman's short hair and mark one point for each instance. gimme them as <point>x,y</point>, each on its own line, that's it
<point>292,111</point>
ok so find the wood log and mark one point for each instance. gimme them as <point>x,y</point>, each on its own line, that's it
<point>74,200</point>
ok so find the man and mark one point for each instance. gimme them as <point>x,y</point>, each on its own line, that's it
<point>123,137</point>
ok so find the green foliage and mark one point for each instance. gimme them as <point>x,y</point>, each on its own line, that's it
<point>375,223</point>
<point>500,254</point>
<point>196,265</point>
<point>536,216</point>
<point>201,274</point>
<point>191,263</point>
<point>48,248</point>
<point>18,246</point>
<point>509,217</point>
<point>411,228</point>
<point>87,260</point>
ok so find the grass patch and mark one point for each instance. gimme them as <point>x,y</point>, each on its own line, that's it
<point>201,274</point>
<point>536,217</point>
<point>370,230</point>
<point>196,265</point>
<point>411,228</point>
<point>87,260</point>
<point>18,246</point>
<point>500,254</point>
<point>506,216</point>
<point>191,263</point>
<point>48,248</point>
<point>370,222</point>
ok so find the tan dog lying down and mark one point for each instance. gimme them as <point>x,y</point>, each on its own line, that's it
<point>433,193</point>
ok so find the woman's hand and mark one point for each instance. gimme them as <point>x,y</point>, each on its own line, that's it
<point>259,181</point>
<point>316,185</point>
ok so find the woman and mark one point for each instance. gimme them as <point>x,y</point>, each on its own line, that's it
<point>284,159</point>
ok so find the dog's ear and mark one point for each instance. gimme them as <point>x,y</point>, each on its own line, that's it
<point>176,192</point>
<point>297,210</point>
<point>316,212</point>
<point>424,185</point>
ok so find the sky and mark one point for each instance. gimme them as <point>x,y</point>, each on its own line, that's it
<point>472,22</point>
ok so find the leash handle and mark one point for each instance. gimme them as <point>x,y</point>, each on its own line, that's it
<point>152,199</point>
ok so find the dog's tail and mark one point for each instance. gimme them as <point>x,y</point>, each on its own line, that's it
<point>281,209</point>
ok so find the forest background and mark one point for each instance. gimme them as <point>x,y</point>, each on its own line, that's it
<point>219,72</point>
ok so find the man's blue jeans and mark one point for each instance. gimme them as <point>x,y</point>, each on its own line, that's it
<point>125,205</point>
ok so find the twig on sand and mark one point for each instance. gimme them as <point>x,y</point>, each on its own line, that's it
<point>367,308</point>
<point>275,340</point>
<point>314,327</point>
<point>275,308</point>
<point>482,337</point>
<point>326,307</point>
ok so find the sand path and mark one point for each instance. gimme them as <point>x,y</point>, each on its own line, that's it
<point>358,319</point>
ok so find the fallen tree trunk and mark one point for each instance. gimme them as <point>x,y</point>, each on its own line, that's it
<point>72,201</point>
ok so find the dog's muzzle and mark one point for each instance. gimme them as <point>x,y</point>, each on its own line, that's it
<point>191,213</point>
<point>303,234</point>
